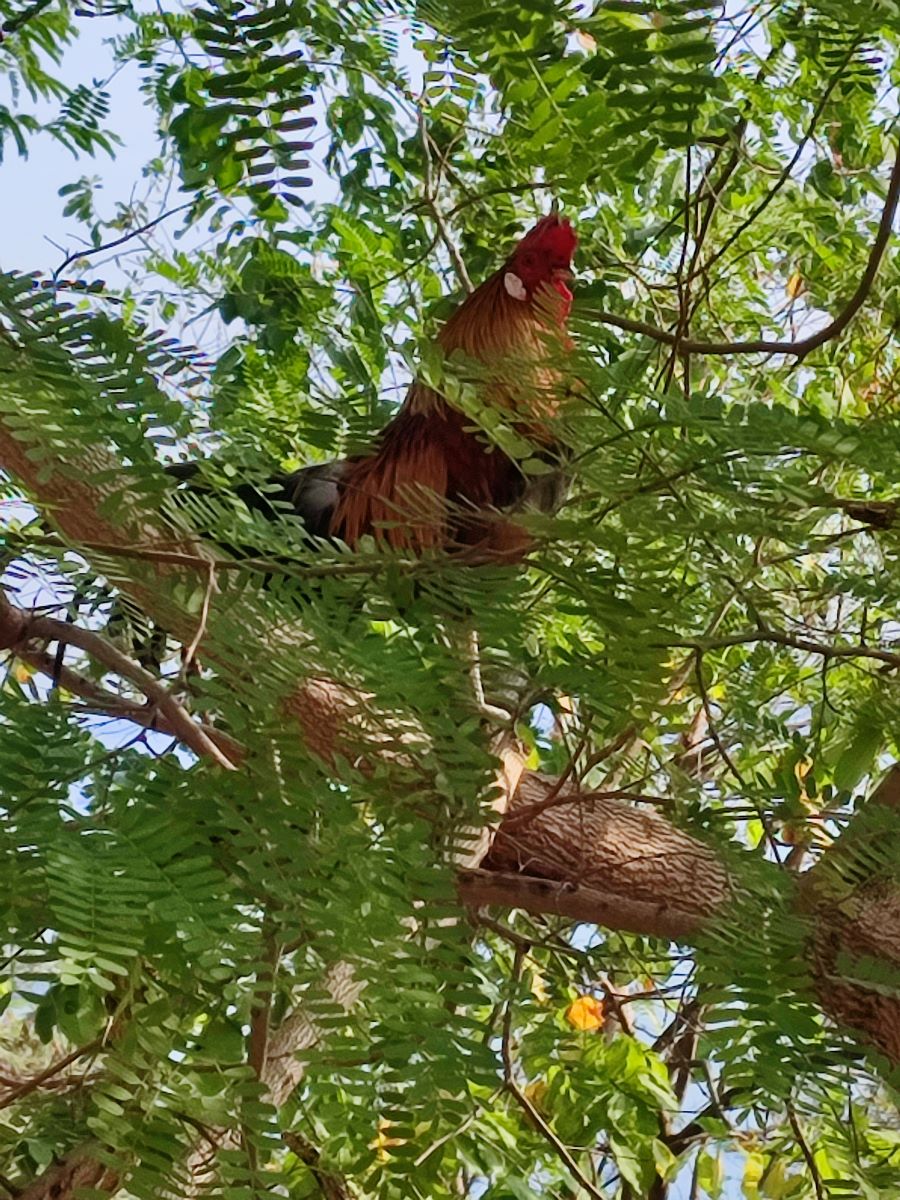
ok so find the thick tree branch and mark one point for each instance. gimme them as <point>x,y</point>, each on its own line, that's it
<point>332,718</point>
<point>78,1170</point>
<point>879,514</point>
<point>486,889</point>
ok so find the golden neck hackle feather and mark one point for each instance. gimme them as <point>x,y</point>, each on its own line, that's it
<point>433,471</point>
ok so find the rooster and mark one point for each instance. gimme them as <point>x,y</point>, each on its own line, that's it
<point>432,480</point>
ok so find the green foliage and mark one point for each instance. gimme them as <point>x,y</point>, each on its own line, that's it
<point>235,120</point>
<point>33,37</point>
<point>725,631</point>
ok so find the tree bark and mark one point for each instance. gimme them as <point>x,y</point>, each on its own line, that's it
<point>79,1169</point>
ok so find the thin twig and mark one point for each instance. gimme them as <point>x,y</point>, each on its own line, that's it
<point>504,190</point>
<point>788,167</point>
<point>794,643</point>
<point>191,650</point>
<point>710,719</point>
<point>554,799</point>
<point>262,565</point>
<point>442,1141</point>
<point>682,287</point>
<point>120,241</point>
<point>622,739</point>
<point>525,1104</point>
<point>807,1154</point>
<point>31,1085</point>
<point>615,1002</point>
<point>438,217</point>
<point>16,22</point>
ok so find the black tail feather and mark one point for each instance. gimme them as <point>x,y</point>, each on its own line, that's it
<point>309,493</point>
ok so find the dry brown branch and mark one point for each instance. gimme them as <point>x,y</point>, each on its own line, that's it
<point>31,1085</point>
<point>799,349</point>
<point>100,702</point>
<point>18,628</point>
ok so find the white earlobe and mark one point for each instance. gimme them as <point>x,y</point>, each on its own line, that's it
<point>514,286</point>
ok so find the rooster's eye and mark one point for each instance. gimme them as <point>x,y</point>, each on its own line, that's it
<point>528,259</point>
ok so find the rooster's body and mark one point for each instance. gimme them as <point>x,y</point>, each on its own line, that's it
<point>433,480</point>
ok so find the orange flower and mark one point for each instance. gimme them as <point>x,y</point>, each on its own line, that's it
<point>587,1012</point>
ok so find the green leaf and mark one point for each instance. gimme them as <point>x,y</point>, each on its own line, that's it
<point>857,758</point>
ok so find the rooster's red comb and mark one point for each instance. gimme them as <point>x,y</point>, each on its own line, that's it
<point>552,233</point>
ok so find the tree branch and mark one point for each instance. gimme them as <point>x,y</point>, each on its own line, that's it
<point>332,1187</point>
<point>525,1104</point>
<point>433,207</point>
<point>261,1011</point>
<point>777,638</point>
<point>80,1168</point>
<point>789,166</point>
<point>119,241</point>
<point>489,888</point>
<point>104,703</point>
<point>800,348</point>
<point>32,1085</point>
<point>17,628</point>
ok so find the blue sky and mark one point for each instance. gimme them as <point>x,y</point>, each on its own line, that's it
<point>30,207</point>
